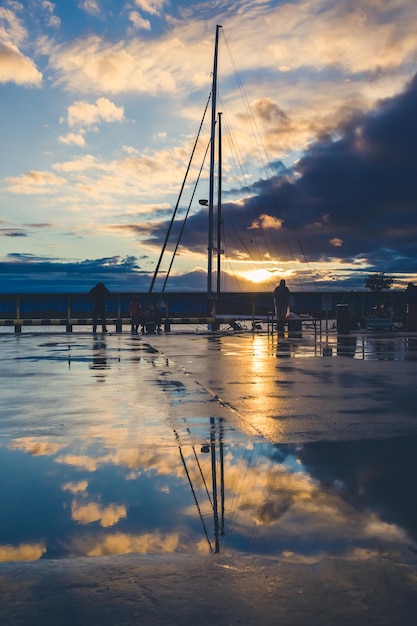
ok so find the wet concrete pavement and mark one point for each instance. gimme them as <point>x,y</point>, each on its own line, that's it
<point>277,468</point>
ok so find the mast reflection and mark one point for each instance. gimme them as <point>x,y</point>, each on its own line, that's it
<point>216,437</point>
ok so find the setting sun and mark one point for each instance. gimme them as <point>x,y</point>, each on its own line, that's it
<point>259,275</point>
<point>263,275</point>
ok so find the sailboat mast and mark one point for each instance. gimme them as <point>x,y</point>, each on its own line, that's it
<point>212,163</point>
<point>219,206</point>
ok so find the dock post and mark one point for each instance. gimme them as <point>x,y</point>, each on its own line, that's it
<point>270,322</point>
<point>167,325</point>
<point>17,327</point>
<point>119,323</point>
<point>68,326</point>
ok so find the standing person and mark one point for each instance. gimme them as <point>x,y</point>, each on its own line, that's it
<point>281,295</point>
<point>99,294</point>
<point>135,312</point>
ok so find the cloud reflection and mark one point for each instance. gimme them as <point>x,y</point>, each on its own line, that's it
<point>271,504</point>
<point>126,472</point>
<point>33,446</point>
<point>121,543</point>
<point>22,552</point>
<point>93,512</point>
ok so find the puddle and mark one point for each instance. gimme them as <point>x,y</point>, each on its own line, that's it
<point>67,499</point>
<point>152,460</point>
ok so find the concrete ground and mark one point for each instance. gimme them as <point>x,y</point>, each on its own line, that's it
<point>108,445</point>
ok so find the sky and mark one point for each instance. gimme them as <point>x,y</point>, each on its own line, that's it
<point>101,103</point>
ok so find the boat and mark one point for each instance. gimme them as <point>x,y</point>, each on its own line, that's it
<point>214,217</point>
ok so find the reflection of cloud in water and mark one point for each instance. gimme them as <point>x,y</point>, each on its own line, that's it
<point>299,507</point>
<point>266,494</point>
<point>86,462</point>
<point>123,543</point>
<point>374,527</point>
<point>93,512</point>
<point>33,446</point>
<point>74,488</point>
<point>271,493</point>
<point>271,502</point>
<point>289,509</point>
<point>23,552</point>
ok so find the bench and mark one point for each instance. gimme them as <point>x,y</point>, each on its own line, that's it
<point>378,323</point>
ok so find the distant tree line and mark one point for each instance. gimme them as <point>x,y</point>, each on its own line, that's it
<point>379,282</point>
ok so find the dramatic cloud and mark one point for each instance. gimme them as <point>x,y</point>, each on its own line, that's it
<point>89,6</point>
<point>11,27</point>
<point>17,68</point>
<point>94,65</point>
<point>9,232</point>
<point>52,20</point>
<point>30,273</point>
<point>138,21</point>
<point>34,182</point>
<point>305,179</point>
<point>351,197</point>
<point>83,113</point>
<point>76,139</point>
<point>153,7</point>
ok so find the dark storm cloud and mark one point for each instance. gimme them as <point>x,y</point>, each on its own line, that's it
<point>352,195</point>
<point>9,232</point>
<point>20,232</point>
<point>39,225</point>
<point>361,188</point>
<point>28,273</point>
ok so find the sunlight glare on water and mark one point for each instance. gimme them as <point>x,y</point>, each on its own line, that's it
<point>120,444</point>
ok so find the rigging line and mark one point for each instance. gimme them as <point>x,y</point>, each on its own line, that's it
<point>232,516</point>
<point>234,236</point>
<point>201,470</point>
<point>226,264</point>
<point>192,444</point>
<point>265,490</point>
<point>263,152</point>
<point>298,241</point>
<point>263,156</point>
<point>255,130</point>
<point>185,219</point>
<point>238,163</point>
<point>245,189</point>
<point>271,239</point>
<point>238,168</point>
<point>179,197</point>
<point>256,134</point>
<point>193,492</point>
<point>222,491</point>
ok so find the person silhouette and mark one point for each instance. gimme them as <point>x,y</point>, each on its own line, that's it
<point>99,294</point>
<point>135,312</point>
<point>281,295</point>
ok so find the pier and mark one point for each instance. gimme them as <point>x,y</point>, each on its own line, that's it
<point>184,308</point>
<point>142,471</point>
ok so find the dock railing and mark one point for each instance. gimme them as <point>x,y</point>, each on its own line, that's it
<point>75,309</point>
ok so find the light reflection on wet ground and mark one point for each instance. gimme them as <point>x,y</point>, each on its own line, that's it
<point>195,443</point>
